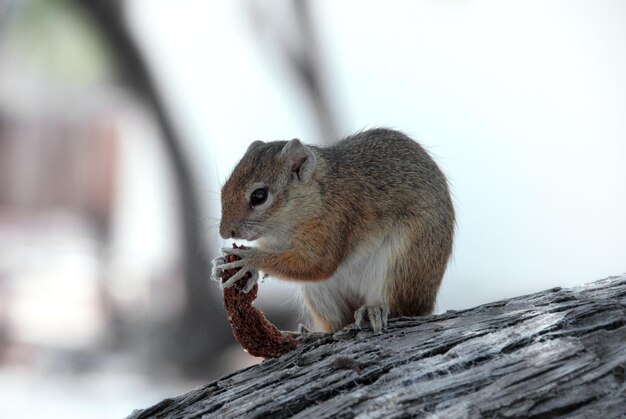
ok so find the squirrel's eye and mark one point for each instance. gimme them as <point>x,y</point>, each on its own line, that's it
<point>258,196</point>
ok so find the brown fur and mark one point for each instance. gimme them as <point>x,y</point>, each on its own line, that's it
<point>361,188</point>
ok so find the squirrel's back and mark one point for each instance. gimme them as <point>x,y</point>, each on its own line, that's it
<point>388,171</point>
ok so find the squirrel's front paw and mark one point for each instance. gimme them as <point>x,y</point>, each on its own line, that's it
<point>216,271</point>
<point>244,265</point>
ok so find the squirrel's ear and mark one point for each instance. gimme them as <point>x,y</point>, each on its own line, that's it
<point>254,145</point>
<point>300,158</point>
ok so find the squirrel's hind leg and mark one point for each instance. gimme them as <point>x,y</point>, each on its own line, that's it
<point>377,316</point>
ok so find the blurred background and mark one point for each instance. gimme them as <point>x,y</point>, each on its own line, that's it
<point>119,120</point>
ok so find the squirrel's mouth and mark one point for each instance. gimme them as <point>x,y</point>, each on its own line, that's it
<point>251,235</point>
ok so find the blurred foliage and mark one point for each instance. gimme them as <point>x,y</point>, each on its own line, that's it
<point>55,40</point>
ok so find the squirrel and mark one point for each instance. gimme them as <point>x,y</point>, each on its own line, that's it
<point>365,225</point>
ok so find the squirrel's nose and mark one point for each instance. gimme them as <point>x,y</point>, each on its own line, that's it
<point>227,230</point>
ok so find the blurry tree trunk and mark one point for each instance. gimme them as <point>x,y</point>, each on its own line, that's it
<point>555,353</point>
<point>302,57</point>
<point>308,65</point>
<point>4,13</point>
<point>202,329</point>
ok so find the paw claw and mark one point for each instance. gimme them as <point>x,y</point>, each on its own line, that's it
<point>232,265</point>
<point>216,271</point>
<point>233,279</point>
<point>254,278</point>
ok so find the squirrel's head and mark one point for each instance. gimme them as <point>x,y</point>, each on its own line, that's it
<point>256,196</point>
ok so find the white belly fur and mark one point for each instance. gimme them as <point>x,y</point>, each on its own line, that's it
<point>358,281</point>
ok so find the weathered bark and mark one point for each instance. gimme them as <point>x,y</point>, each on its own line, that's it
<point>554,353</point>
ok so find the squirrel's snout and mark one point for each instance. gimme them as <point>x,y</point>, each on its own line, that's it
<point>228,234</point>
<point>226,230</point>
<point>236,230</point>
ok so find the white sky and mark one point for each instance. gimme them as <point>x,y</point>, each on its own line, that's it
<point>523,104</point>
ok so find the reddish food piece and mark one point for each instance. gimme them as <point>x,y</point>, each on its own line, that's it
<point>251,329</point>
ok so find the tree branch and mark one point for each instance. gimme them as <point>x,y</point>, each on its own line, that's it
<point>553,353</point>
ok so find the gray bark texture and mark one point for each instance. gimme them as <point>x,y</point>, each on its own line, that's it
<point>556,353</point>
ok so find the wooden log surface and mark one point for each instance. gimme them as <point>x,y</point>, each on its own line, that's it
<point>559,352</point>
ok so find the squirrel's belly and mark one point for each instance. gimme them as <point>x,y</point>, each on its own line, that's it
<point>359,280</point>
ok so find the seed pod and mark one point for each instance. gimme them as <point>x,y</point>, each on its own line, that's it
<point>252,330</point>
